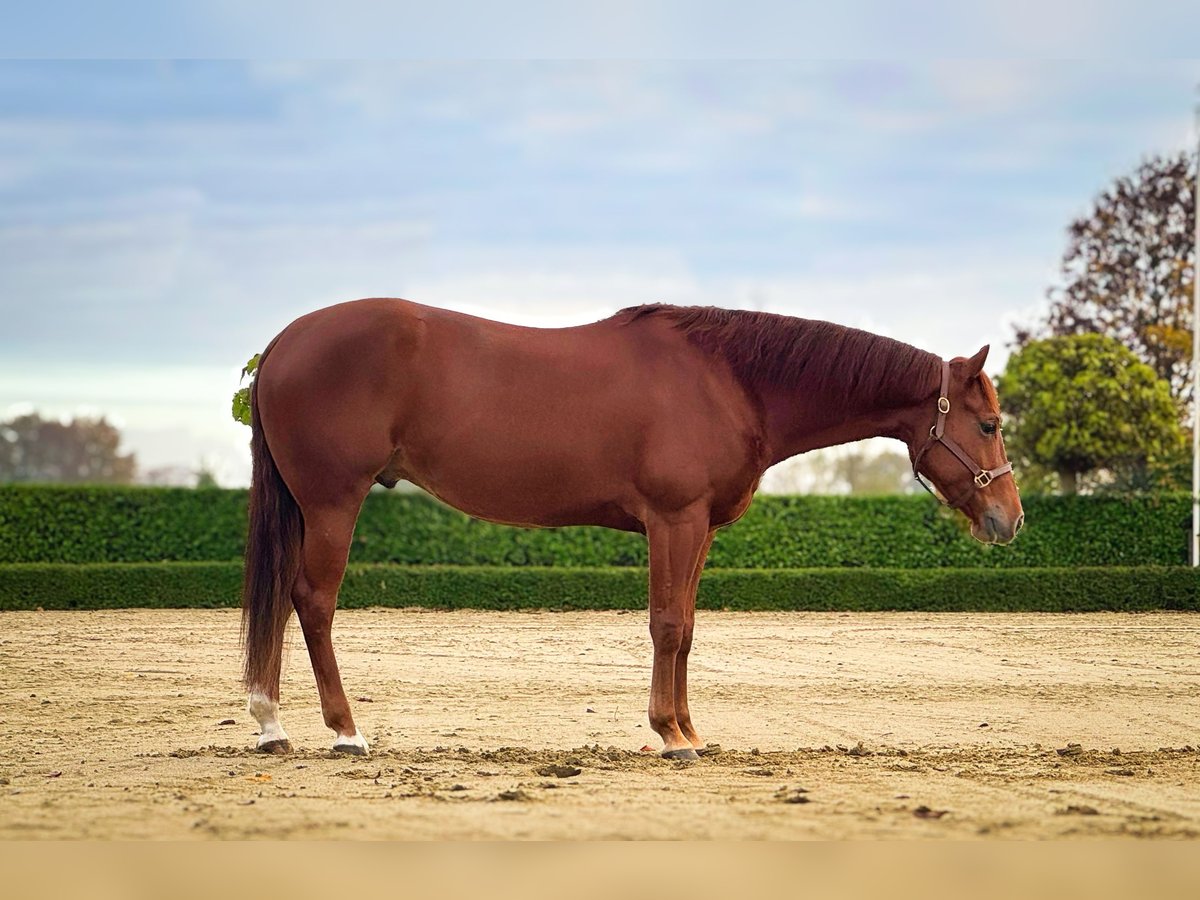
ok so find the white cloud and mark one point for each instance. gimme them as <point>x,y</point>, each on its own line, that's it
<point>551,298</point>
<point>981,87</point>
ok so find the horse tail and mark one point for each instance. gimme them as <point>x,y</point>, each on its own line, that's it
<point>273,541</point>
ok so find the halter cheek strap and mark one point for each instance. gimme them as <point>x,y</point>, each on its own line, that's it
<point>937,435</point>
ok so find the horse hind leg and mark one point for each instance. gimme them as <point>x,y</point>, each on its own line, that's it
<point>264,706</point>
<point>327,535</point>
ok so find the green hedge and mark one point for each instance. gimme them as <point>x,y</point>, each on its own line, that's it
<point>96,524</point>
<point>207,585</point>
<point>119,524</point>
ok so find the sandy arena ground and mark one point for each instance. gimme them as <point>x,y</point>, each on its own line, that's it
<point>115,725</point>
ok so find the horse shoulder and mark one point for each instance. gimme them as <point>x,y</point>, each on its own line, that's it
<point>703,434</point>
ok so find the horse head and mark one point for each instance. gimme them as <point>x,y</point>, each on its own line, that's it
<point>961,451</point>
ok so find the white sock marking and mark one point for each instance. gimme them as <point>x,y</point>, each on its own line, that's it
<point>266,712</point>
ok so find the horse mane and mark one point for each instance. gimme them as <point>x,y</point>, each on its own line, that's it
<point>766,349</point>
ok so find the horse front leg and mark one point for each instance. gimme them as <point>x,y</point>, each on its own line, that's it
<point>682,714</point>
<point>676,544</point>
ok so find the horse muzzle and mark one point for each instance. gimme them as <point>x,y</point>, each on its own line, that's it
<point>995,527</point>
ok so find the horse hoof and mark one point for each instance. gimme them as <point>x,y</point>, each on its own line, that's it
<point>279,748</point>
<point>682,753</point>
<point>353,746</point>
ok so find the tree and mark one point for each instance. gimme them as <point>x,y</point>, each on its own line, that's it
<point>82,450</point>
<point>205,477</point>
<point>1129,268</point>
<point>1084,405</point>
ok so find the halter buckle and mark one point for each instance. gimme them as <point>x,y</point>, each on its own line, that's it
<point>983,479</point>
<point>943,405</point>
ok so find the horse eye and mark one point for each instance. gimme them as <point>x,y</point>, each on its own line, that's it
<point>987,427</point>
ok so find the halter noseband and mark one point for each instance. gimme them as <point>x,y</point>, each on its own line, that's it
<point>937,434</point>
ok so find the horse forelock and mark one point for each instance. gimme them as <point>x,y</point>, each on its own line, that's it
<point>767,349</point>
<point>989,393</point>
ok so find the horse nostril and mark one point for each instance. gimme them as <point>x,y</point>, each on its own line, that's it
<point>1020,522</point>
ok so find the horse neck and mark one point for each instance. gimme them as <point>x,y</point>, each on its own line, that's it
<point>799,419</point>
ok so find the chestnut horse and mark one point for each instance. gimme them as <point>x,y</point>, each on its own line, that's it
<point>659,420</point>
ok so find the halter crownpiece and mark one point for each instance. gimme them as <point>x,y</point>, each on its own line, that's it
<point>937,435</point>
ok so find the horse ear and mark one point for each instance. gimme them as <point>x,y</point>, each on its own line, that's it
<point>973,366</point>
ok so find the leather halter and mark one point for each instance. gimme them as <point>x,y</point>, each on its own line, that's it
<point>937,435</point>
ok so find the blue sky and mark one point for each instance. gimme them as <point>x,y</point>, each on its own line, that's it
<point>590,29</point>
<point>160,222</point>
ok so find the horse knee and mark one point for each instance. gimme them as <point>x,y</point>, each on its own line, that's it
<point>668,634</point>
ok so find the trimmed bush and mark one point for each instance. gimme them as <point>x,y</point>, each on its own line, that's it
<point>207,585</point>
<point>102,524</point>
<point>120,585</point>
<point>51,523</point>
